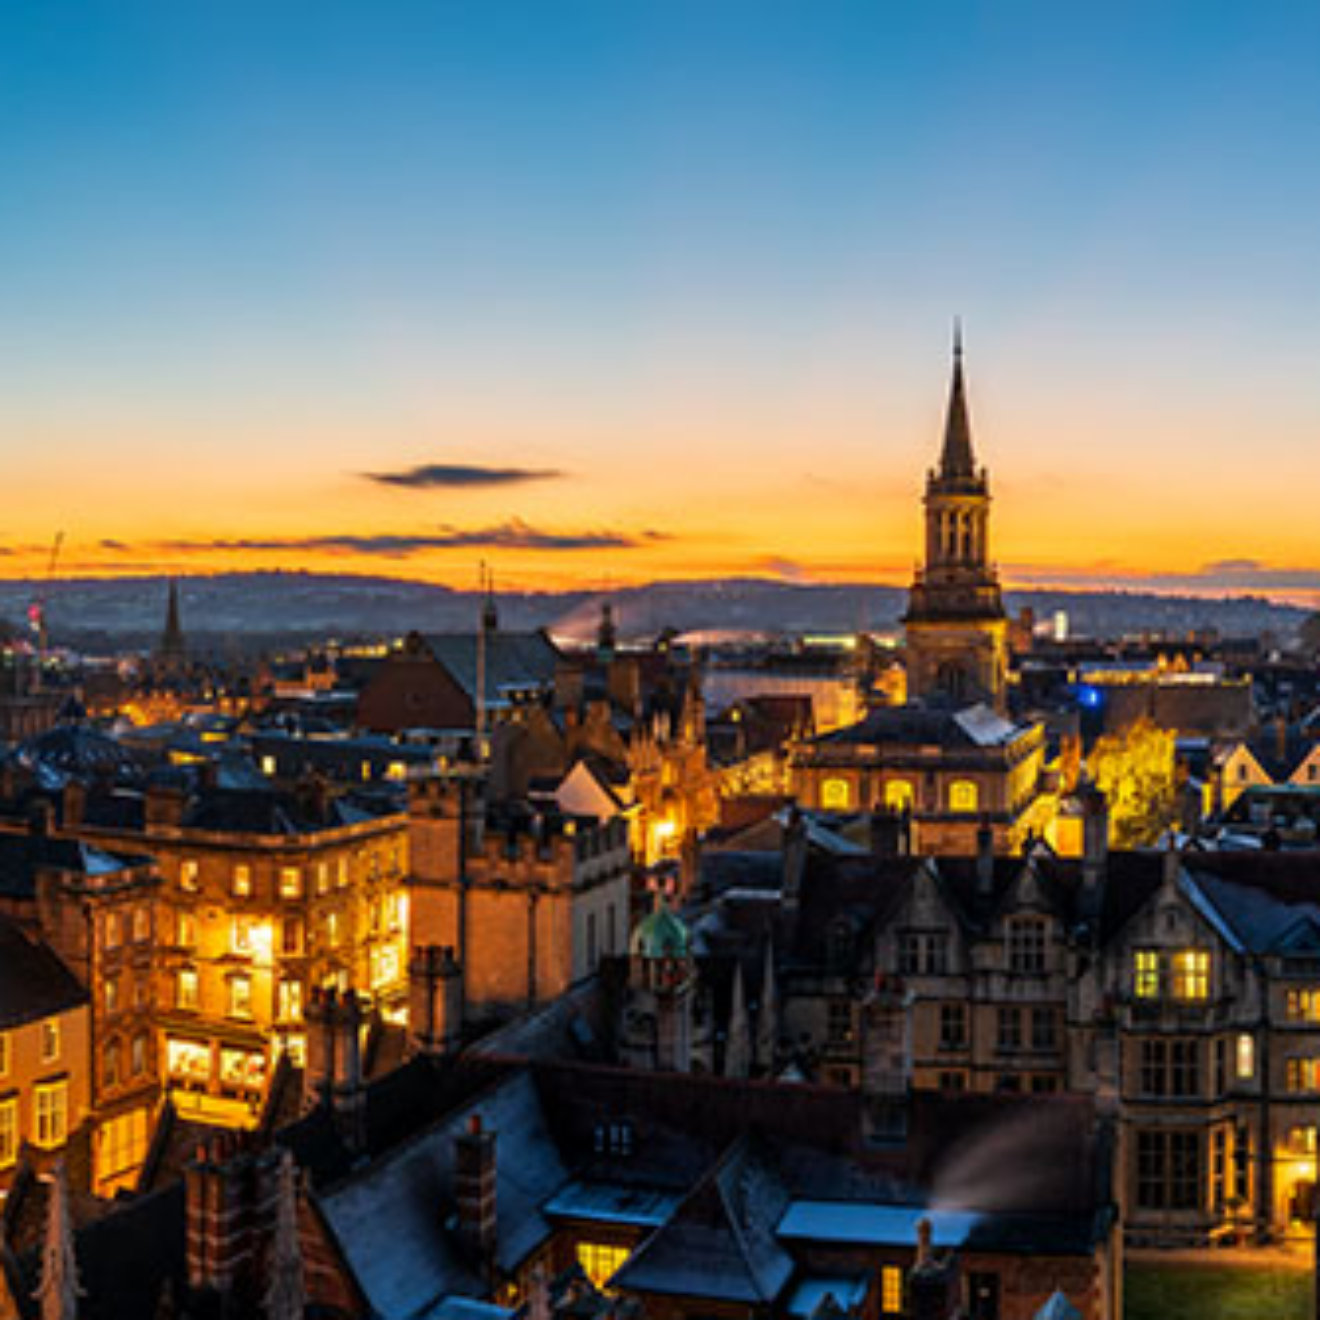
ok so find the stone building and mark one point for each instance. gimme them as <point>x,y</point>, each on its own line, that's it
<point>528,900</point>
<point>265,896</point>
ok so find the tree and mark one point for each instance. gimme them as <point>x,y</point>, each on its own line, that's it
<point>1135,770</point>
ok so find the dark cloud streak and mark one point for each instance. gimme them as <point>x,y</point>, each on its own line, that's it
<point>459,476</point>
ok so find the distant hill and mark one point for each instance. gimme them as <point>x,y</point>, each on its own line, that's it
<point>271,609</point>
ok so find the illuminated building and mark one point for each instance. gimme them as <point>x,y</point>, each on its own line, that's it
<point>266,896</point>
<point>97,913</point>
<point>45,1031</point>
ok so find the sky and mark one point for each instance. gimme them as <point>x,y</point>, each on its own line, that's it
<point>597,293</point>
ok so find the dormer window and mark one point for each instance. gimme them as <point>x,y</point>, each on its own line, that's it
<point>1026,944</point>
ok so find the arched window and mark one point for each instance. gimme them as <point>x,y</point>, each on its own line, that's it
<point>898,795</point>
<point>963,795</point>
<point>835,795</point>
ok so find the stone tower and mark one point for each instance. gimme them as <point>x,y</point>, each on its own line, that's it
<point>957,633</point>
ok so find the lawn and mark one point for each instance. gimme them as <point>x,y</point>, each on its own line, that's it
<point>1216,1292</point>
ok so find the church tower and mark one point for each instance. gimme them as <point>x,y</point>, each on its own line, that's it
<point>957,632</point>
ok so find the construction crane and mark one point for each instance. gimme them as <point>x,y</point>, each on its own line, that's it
<point>37,610</point>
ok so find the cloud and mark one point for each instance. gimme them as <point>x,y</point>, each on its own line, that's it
<point>107,543</point>
<point>512,535</point>
<point>460,476</point>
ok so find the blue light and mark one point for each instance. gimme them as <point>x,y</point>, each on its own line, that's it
<point>1089,697</point>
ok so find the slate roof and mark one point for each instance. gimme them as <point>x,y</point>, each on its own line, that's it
<point>23,855</point>
<point>1270,901</point>
<point>34,983</point>
<point>514,661</point>
<point>974,728</point>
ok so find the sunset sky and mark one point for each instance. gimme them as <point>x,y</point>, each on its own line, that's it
<point>641,288</point>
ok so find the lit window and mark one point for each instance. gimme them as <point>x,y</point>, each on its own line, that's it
<point>50,1042</point>
<point>835,795</point>
<point>137,1055</point>
<point>290,882</point>
<point>1246,1055</point>
<point>341,877</point>
<point>240,935</point>
<point>242,881</point>
<point>290,1001</point>
<point>185,994</point>
<point>332,929</point>
<point>963,795</point>
<point>188,875</point>
<point>291,941</point>
<point>599,1261</point>
<point>187,930</point>
<point>1302,1074</point>
<point>1301,1140</point>
<point>268,765</point>
<point>141,925</point>
<point>111,995</point>
<point>52,1114</point>
<point>398,771</point>
<point>240,997</point>
<point>121,1144</point>
<point>113,931</point>
<point>1146,973</point>
<point>891,1290</point>
<point>1191,974</point>
<point>322,878</point>
<point>8,1132</point>
<point>898,795</point>
<point>1303,1006</point>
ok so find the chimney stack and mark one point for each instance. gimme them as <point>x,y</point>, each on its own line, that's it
<point>435,1000</point>
<point>794,862</point>
<point>230,1198</point>
<point>932,1282</point>
<point>474,1191</point>
<point>1095,838</point>
<point>985,859</point>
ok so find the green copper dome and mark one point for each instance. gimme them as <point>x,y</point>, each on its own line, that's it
<point>660,935</point>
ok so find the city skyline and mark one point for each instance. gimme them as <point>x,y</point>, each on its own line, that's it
<point>659,292</point>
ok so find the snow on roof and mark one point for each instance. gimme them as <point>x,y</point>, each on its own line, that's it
<point>876,1225</point>
<point>984,726</point>
<point>613,1204</point>
<point>811,1292</point>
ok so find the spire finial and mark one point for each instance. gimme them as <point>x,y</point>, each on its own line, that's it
<point>957,339</point>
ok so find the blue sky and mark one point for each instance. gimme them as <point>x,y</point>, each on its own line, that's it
<point>697,258</point>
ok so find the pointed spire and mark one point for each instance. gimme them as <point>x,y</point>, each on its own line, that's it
<point>956,461</point>
<point>490,615</point>
<point>286,1289</point>
<point>172,646</point>
<point>58,1291</point>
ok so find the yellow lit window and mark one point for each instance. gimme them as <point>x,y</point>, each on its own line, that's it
<point>290,882</point>
<point>599,1262</point>
<point>963,795</point>
<point>240,997</point>
<point>113,936</point>
<point>1246,1055</point>
<point>322,878</point>
<point>52,1114</point>
<point>186,988</point>
<point>8,1132</point>
<point>187,930</point>
<point>50,1042</point>
<point>898,795</point>
<point>332,929</point>
<point>1191,974</point>
<point>188,875</point>
<point>122,1144</point>
<point>290,1003</point>
<point>891,1290</point>
<point>1303,1006</point>
<point>835,795</point>
<point>1301,1140</point>
<point>141,925</point>
<point>1146,973</point>
<point>1302,1074</point>
<point>242,881</point>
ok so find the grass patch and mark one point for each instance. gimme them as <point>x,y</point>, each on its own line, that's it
<point>1216,1292</point>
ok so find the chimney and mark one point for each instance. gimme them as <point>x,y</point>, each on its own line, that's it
<point>794,862</point>
<point>163,806</point>
<point>931,1284</point>
<point>230,1198</point>
<point>74,804</point>
<point>350,1092</point>
<point>319,1070</point>
<point>41,818</point>
<point>474,1191</point>
<point>1095,838</point>
<point>985,859</point>
<point>887,833</point>
<point>435,1000</point>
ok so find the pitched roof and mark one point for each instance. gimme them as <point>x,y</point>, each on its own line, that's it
<point>514,661</point>
<point>34,983</point>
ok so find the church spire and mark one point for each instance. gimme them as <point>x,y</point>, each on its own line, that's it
<point>956,461</point>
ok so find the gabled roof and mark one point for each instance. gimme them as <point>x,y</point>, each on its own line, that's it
<point>1270,901</point>
<point>34,983</point>
<point>973,727</point>
<point>514,661</point>
<point>721,1242</point>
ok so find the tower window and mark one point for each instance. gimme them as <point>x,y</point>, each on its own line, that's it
<point>835,795</point>
<point>964,795</point>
